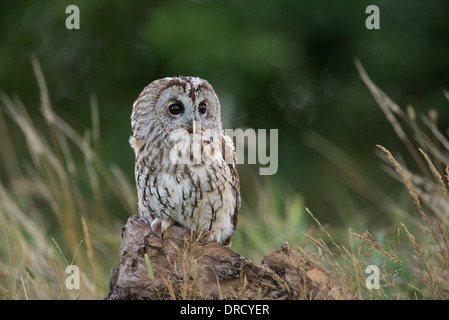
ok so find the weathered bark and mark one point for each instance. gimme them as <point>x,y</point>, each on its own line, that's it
<point>186,268</point>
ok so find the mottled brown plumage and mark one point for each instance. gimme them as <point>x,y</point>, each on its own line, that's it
<point>185,165</point>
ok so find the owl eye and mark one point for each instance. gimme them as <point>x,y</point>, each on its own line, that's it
<point>202,108</point>
<point>175,108</point>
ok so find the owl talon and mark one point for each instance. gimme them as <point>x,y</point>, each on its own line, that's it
<point>164,226</point>
<point>154,225</point>
<point>206,237</point>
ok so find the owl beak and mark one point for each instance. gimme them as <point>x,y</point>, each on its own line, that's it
<point>192,126</point>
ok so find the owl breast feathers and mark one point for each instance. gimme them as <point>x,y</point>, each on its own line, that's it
<point>185,167</point>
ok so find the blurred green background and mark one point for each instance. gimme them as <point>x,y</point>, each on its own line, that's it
<point>285,64</point>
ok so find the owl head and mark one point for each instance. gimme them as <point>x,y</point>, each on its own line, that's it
<point>175,103</point>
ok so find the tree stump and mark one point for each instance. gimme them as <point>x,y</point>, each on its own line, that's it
<point>185,268</point>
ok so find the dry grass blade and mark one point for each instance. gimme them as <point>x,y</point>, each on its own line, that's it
<point>45,97</point>
<point>412,239</point>
<point>374,244</point>
<point>411,191</point>
<point>220,294</point>
<point>388,107</point>
<point>436,150</point>
<point>446,94</point>
<point>437,174</point>
<point>447,173</point>
<point>90,250</point>
<point>7,154</point>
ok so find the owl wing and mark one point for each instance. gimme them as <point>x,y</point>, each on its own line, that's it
<point>228,152</point>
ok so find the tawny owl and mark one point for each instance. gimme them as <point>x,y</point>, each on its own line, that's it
<point>185,168</point>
